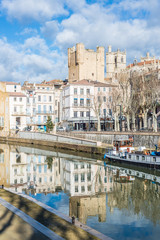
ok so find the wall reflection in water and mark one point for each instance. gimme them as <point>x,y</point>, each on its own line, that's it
<point>87,184</point>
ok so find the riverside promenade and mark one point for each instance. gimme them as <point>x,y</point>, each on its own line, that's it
<point>22,217</point>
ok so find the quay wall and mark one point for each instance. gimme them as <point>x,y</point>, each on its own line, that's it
<point>55,141</point>
<point>146,139</point>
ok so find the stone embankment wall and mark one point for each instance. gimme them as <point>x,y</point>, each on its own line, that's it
<point>53,140</point>
<point>140,138</point>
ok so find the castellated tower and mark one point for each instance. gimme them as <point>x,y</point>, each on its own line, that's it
<point>85,63</point>
<point>115,62</point>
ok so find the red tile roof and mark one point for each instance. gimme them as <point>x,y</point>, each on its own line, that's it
<point>143,63</point>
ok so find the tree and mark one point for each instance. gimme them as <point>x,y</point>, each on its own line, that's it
<point>49,161</point>
<point>49,124</point>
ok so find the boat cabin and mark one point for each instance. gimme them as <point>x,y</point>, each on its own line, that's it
<point>120,145</point>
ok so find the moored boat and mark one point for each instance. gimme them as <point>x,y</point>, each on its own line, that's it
<point>123,151</point>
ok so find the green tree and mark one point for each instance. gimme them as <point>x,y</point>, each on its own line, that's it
<point>49,124</point>
<point>49,161</point>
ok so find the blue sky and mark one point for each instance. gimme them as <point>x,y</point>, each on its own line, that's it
<point>35,34</point>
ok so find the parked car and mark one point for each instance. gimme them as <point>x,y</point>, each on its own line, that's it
<point>61,129</point>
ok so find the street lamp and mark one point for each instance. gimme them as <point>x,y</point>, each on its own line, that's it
<point>120,116</point>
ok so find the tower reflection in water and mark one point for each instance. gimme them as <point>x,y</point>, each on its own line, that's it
<point>91,188</point>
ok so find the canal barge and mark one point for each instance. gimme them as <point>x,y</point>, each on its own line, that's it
<point>123,151</point>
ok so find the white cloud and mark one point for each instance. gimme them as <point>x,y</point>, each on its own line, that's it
<point>28,31</point>
<point>38,10</point>
<point>20,63</point>
<point>50,29</point>
<point>128,24</point>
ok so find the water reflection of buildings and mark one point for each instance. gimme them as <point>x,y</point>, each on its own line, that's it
<point>39,171</point>
<point>22,171</point>
<point>87,185</point>
<point>4,165</point>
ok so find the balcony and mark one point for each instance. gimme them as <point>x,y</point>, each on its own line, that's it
<point>81,105</point>
<point>19,114</point>
<point>45,112</point>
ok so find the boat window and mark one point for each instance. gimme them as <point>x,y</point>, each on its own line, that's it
<point>154,159</point>
<point>130,156</point>
<point>137,157</point>
<point>143,157</point>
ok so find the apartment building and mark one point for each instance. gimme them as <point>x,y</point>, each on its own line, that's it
<point>43,100</point>
<point>16,105</point>
<point>4,109</point>
<point>84,102</point>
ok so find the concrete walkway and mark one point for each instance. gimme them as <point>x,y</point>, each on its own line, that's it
<point>46,233</point>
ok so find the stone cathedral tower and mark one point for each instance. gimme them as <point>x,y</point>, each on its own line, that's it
<point>85,63</point>
<point>115,62</point>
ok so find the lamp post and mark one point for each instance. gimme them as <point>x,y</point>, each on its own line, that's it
<point>89,120</point>
<point>120,117</point>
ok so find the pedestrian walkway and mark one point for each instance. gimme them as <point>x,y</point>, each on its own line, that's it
<point>36,225</point>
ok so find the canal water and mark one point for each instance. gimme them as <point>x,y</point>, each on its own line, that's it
<point>119,201</point>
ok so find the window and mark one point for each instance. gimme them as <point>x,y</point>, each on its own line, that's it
<point>88,91</point>
<point>75,91</point>
<point>88,114</point>
<point>75,114</point>
<point>76,188</point>
<point>15,99</point>
<point>83,189</point>
<point>45,168</point>
<point>44,98</point>
<point>92,74</point>
<point>110,179</point>
<point>81,91</point>
<point>104,98</point>
<point>82,165</point>
<point>20,99</point>
<point>129,156</point>
<point>154,159</point>
<point>88,102</point>
<point>47,88</point>
<point>143,158</point>
<point>88,165</point>
<point>99,98</point>
<point>40,168</point>
<point>39,108</point>
<point>82,177</point>
<point>99,89</point>
<point>137,157</point>
<point>104,112</point>
<point>121,59</point>
<point>45,119</point>
<point>76,177</point>
<point>15,109</point>
<point>110,112</point>
<point>56,103</point>
<point>81,102</point>
<point>1,121</point>
<point>81,114</point>
<point>75,102</point>
<point>39,98</point>
<point>110,99</point>
<point>89,176</point>
<point>115,62</point>
<point>50,98</point>
<point>50,108</point>
<point>75,166</point>
<point>44,108</point>
<point>89,188</point>
<point>104,89</point>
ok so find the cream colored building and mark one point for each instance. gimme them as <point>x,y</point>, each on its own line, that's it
<point>115,62</point>
<point>85,63</point>
<point>4,109</point>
